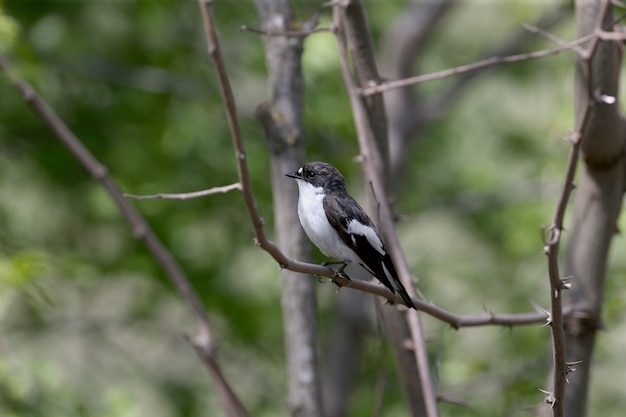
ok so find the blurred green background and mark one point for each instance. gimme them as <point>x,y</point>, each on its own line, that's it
<point>90,326</point>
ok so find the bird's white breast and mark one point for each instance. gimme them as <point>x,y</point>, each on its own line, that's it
<point>316,226</point>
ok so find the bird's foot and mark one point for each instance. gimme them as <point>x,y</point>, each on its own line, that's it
<point>338,272</point>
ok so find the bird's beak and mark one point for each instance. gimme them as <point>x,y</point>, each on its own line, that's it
<point>293,175</point>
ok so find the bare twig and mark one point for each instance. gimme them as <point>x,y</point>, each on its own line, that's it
<point>405,82</point>
<point>287,33</point>
<point>186,196</point>
<point>202,341</point>
<point>564,44</point>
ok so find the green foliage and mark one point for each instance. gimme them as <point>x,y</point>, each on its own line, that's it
<point>90,324</point>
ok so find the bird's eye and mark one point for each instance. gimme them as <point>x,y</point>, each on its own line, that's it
<point>310,174</point>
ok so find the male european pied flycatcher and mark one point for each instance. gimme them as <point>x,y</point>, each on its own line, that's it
<point>339,227</point>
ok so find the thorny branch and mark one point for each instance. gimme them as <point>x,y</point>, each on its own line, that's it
<point>552,244</point>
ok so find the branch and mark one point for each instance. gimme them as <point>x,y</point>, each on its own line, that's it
<point>186,196</point>
<point>552,245</point>
<point>235,130</point>
<point>285,33</point>
<point>351,32</point>
<point>496,60</point>
<point>202,341</point>
<point>576,48</point>
<point>551,249</point>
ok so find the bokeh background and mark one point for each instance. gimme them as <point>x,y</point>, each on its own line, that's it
<point>90,326</point>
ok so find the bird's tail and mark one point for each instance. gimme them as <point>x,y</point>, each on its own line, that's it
<point>404,295</point>
<point>390,271</point>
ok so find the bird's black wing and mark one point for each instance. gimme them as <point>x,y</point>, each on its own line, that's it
<point>341,211</point>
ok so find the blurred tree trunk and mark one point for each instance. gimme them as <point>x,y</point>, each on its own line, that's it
<point>597,203</point>
<point>282,122</point>
<point>344,353</point>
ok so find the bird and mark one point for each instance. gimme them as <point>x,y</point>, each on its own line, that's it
<point>340,228</point>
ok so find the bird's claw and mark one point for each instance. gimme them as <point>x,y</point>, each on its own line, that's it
<point>338,272</point>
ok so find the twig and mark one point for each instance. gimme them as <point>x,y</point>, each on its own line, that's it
<point>564,44</point>
<point>202,341</point>
<point>186,196</point>
<point>287,33</point>
<point>405,82</point>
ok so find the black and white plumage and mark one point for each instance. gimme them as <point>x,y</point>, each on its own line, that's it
<point>339,227</point>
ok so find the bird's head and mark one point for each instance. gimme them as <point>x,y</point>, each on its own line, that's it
<point>320,174</point>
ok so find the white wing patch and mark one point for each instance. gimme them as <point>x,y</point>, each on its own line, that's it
<point>358,228</point>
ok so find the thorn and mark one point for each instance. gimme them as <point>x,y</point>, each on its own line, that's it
<point>549,399</point>
<point>569,366</point>
<point>538,308</point>
<point>566,283</point>
<point>488,312</point>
